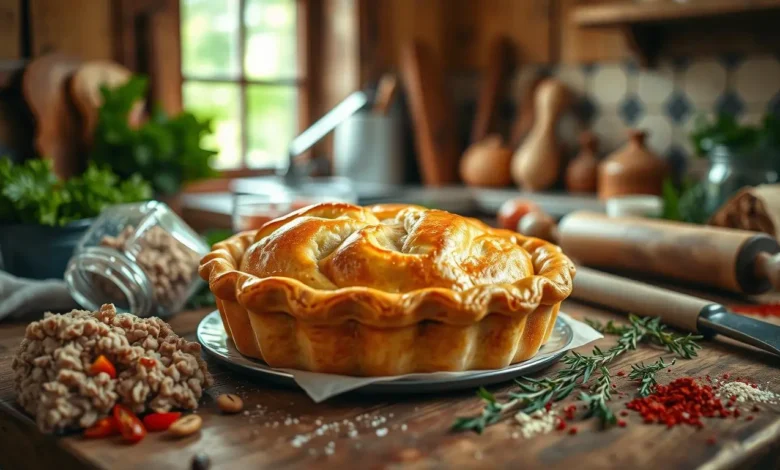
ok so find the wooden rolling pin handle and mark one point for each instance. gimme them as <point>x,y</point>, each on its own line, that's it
<point>767,266</point>
<point>675,309</point>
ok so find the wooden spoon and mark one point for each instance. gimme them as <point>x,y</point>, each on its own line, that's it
<point>486,161</point>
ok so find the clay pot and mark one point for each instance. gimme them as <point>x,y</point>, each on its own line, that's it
<point>486,163</point>
<point>582,172</point>
<point>632,169</point>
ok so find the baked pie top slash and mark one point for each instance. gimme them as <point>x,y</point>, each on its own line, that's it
<point>389,265</point>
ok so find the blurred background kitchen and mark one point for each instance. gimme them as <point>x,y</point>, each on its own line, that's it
<point>237,111</point>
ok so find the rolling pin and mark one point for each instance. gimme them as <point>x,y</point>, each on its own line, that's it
<point>734,260</point>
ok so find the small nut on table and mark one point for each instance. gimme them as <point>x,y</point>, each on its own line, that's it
<point>186,425</point>
<point>230,403</point>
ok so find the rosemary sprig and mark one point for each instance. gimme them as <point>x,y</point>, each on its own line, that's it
<point>646,375</point>
<point>535,394</point>
<point>597,400</point>
<point>652,329</point>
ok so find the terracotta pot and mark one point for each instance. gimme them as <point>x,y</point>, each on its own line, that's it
<point>582,172</point>
<point>632,169</point>
<point>486,163</point>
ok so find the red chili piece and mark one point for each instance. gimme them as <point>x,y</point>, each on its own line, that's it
<point>572,430</point>
<point>147,362</point>
<point>561,425</point>
<point>155,422</point>
<point>102,364</point>
<point>621,423</point>
<point>683,401</point>
<point>569,412</point>
<point>750,418</point>
<point>131,428</point>
<point>621,373</point>
<point>104,427</point>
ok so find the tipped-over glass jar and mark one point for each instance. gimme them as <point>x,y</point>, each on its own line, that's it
<point>141,257</point>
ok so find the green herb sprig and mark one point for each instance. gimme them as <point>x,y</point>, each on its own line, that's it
<point>535,394</point>
<point>645,375</point>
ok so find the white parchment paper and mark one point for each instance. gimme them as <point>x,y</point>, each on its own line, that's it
<point>320,387</point>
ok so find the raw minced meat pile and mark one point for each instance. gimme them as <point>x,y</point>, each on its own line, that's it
<point>155,368</point>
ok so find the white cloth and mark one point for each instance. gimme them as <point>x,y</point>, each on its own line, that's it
<point>20,296</point>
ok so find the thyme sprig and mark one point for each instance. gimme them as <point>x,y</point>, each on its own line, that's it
<point>534,394</point>
<point>645,375</point>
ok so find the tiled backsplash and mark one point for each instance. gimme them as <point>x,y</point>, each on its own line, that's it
<point>614,97</point>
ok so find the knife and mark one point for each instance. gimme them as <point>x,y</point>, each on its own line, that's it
<point>683,311</point>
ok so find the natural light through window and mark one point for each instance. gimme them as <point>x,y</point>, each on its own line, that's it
<point>240,68</point>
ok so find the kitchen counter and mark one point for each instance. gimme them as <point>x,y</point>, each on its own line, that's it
<point>418,427</point>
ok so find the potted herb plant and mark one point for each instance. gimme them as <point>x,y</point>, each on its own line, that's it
<point>740,155</point>
<point>42,218</point>
<point>165,150</point>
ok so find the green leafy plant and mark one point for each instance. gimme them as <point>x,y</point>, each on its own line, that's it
<point>726,131</point>
<point>31,193</point>
<point>165,150</point>
<point>684,204</point>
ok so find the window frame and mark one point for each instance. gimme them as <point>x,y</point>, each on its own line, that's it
<point>302,83</point>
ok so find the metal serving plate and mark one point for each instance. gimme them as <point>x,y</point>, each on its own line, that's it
<point>212,336</point>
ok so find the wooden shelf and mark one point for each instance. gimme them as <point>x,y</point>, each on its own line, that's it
<point>644,22</point>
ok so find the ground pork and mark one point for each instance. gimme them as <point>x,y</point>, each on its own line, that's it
<point>51,368</point>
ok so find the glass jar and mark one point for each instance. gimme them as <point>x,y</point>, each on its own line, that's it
<point>141,257</point>
<point>731,170</point>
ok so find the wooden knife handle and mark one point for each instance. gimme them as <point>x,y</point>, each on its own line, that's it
<point>675,309</point>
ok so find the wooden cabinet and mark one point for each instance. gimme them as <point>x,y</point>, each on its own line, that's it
<point>10,30</point>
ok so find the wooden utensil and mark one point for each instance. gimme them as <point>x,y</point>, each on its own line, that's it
<point>57,122</point>
<point>525,117</point>
<point>537,163</point>
<point>680,310</point>
<point>734,260</point>
<point>432,115</point>
<point>500,64</point>
<point>85,92</point>
<point>385,94</point>
<point>486,161</point>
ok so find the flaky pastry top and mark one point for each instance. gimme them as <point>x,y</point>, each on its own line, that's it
<point>387,264</point>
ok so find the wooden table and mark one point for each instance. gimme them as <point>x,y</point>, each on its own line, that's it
<point>418,434</point>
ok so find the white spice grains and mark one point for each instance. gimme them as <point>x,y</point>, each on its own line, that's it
<point>538,422</point>
<point>381,432</point>
<point>743,392</point>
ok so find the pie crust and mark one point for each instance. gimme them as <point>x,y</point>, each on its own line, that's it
<point>386,290</point>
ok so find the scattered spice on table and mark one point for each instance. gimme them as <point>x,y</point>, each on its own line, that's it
<point>742,392</point>
<point>537,423</point>
<point>683,401</point>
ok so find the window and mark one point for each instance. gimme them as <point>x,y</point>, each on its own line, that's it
<point>240,67</point>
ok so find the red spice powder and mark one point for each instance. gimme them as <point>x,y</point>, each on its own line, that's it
<point>621,373</point>
<point>572,430</point>
<point>681,402</point>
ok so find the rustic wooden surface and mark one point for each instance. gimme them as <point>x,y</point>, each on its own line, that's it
<point>254,441</point>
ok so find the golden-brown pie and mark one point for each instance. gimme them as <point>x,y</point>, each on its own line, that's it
<point>386,290</point>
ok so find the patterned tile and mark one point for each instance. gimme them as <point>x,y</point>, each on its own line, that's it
<point>678,108</point>
<point>731,60</point>
<point>589,69</point>
<point>611,131</point>
<point>586,109</point>
<point>631,66</point>
<point>704,81</point>
<point>659,132</point>
<point>730,103</point>
<point>656,85</point>
<point>677,160</point>
<point>609,85</point>
<point>573,77</point>
<point>631,109</point>
<point>757,80</point>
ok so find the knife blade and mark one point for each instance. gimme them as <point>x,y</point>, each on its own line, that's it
<point>683,311</point>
